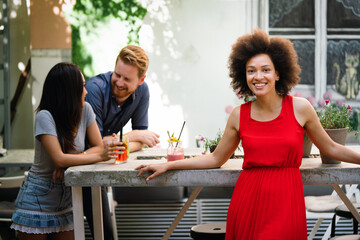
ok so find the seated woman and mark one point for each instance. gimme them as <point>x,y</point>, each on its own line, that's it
<point>44,207</point>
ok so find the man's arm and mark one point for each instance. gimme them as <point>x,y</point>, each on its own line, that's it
<point>96,99</point>
<point>140,137</point>
<point>136,146</point>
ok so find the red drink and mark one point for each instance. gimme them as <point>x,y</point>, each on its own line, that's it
<point>175,154</point>
<point>122,158</point>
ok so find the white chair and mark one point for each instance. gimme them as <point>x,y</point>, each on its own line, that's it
<point>10,184</point>
<point>9,187</point>
<point>321,207</point>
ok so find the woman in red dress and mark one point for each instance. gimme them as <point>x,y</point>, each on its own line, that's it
<point>268,199</point>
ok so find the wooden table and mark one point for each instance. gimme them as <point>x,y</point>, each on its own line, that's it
<point>107,174</point>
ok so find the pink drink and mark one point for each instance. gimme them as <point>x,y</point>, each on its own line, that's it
<point>175,154</point>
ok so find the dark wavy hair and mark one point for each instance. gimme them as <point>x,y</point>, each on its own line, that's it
<point>280,51</point>
<point>61,96</point>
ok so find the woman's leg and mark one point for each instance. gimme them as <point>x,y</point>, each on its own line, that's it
<point>31,236</point>
<point>68,235</point>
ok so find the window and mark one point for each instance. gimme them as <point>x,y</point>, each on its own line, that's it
<point>317,27</point>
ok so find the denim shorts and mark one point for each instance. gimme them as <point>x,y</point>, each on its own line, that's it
<point>43,204</point>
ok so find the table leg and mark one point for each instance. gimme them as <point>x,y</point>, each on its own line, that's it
<point>182,212</point>
<point>78,212</point>
<point>347,202</point>
<point>97,213</point>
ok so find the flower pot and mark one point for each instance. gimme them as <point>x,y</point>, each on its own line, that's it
<point>307,145</point>
<point>212,148</point>
<point>337,135</point>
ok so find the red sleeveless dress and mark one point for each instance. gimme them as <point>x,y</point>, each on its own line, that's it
<point>268,199</point>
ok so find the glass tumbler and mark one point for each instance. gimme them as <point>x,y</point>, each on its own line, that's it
<point>175,151</point>
<point>122,158</point>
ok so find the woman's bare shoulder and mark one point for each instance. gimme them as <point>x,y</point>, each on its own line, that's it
<point>236,110</point>
<point>235,116</point>
<point>301,104</point>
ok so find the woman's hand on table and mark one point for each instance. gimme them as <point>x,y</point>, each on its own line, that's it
<point>157,169</point>
<point>58,173</point>
<point>111,150</point>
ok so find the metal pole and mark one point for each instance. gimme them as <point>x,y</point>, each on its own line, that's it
<point>6,61</point>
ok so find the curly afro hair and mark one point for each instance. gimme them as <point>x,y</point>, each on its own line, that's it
<point>280,51</point>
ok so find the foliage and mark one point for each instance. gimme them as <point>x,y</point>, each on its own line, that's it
<point>354,119</point>
<point>249,98</point>
<point>209,142</point>
<point>87,15</point>
<point>332,116</point>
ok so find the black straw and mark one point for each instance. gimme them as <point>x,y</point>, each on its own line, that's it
<point>180,133</point>
<point>121,131</point>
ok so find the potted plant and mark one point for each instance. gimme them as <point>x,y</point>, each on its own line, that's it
<point>307,145</point>
<point>336,122</point>
<point>210,144</point>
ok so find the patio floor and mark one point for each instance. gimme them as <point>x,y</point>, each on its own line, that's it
<point>151,220</point>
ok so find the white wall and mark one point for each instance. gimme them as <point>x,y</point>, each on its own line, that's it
<point>42,61</point>
<point>188,43</point>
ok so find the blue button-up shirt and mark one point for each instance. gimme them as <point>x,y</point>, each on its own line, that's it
<point>109,114</point>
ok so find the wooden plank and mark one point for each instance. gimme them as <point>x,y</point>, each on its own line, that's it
<point>182,212</point>
<point>77,199</point>
<point>97,213</point>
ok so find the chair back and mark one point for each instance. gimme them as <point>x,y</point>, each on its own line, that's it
<point>10,186</point>
<point>11,182</point>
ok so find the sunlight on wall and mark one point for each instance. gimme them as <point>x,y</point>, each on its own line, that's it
<point>113,36</point>
<point>188,43</point>
<point>164,116</point>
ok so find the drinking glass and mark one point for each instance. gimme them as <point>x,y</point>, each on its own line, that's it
<point>175,151</point>
<point>122,158</point>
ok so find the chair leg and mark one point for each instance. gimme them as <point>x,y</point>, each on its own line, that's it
<point>355,226</point>
<point>315,228</point>
<point>333,225</point>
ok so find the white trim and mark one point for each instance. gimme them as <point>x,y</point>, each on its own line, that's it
<point>343,36</point>
<point>264,15</point>
<point>343,29</point>
<point>304,87</point>
<point>292,29</point>
<point>253,8</point>
<point>317,36</point>
<point>294,36</point>
<point>323,47</point>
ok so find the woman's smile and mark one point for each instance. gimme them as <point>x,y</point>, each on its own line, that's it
<point>261,74</point>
